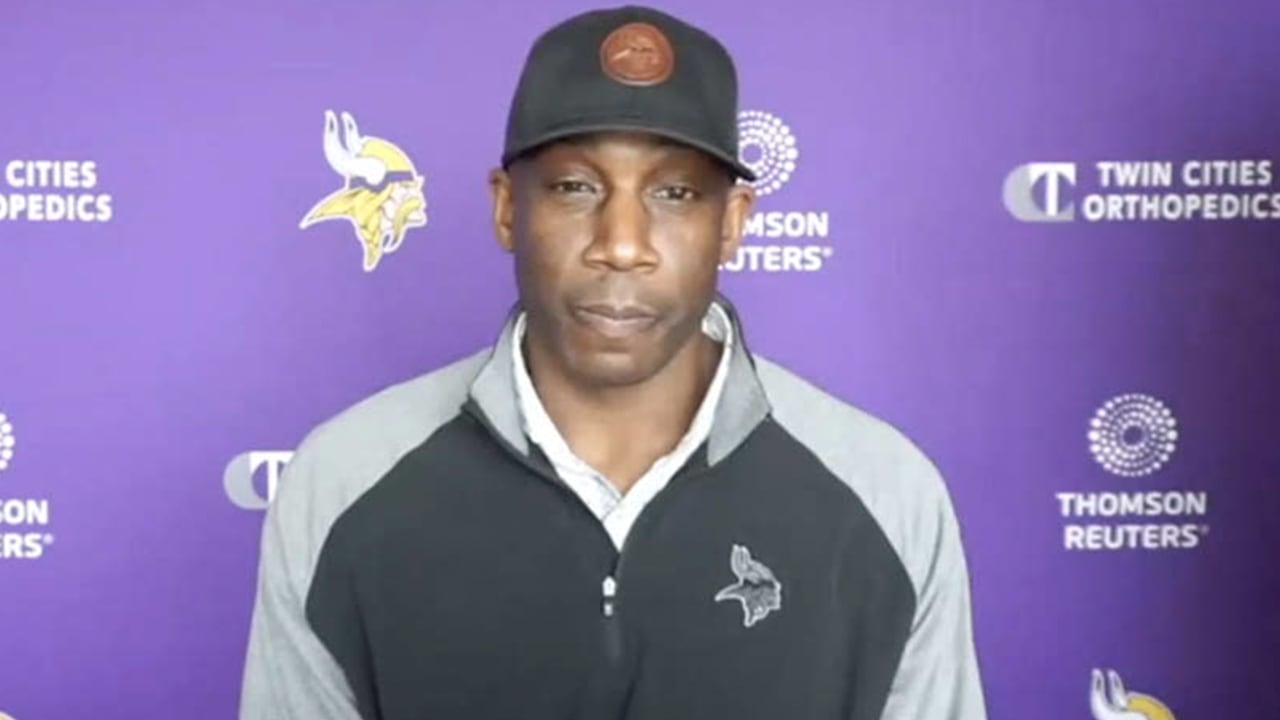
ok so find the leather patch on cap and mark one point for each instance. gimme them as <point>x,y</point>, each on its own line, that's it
<point>637,54</point>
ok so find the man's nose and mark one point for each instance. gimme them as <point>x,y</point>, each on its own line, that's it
<point>622,233</point>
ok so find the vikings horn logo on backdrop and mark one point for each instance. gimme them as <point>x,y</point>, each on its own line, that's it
<point>1109,700</point>
<point>381,193</point>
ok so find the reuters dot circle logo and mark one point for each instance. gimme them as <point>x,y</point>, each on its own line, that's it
<point>1133,435</point>
<point>767,146</point>
<point>7,442</point>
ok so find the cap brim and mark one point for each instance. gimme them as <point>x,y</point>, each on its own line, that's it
<point>738,167</point>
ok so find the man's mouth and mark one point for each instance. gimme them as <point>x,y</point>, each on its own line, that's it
<point>615,321</point>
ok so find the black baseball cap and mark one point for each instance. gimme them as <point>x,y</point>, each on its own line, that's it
<point>627,68</point>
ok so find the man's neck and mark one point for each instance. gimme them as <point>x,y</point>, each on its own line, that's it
<point>621,431</point>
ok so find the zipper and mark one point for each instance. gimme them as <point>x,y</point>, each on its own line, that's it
<point>609,600</point>
<point>610,594</point>
<point>612,629</point>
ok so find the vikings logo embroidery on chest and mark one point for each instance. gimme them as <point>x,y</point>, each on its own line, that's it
<point>757,589</point>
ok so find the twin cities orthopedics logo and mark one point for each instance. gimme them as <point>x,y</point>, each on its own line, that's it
<point>53,191</point>
<point>1143,191</point>
<point>1109,700</point>
<point>777,240</point>
<point>1133,436</point>
<point>251,477</point>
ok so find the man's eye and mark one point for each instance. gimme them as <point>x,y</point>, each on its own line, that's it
<point>570,186</point>
<point>677,192</point>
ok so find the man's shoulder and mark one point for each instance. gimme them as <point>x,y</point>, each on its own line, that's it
<point>891,475</point>
<point>345,455</point>
<point>863,443</point>
<point>401,410</point>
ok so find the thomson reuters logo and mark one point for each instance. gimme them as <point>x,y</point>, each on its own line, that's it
<point>777,240</point>
<point>251,478</point>
<point>768,147</point>
<point>7,442</point>
<point>1109,700</point>
<point>1133,435</point>
<point>381,194</point>
<point>24,521</point>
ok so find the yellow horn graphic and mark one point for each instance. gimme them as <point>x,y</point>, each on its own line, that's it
<point>381,194</point>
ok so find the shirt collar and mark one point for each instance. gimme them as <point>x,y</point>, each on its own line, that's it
<point>538,425</point>
<point>742,404</point>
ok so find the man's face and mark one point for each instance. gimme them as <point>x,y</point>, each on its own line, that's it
<point>617,240</point>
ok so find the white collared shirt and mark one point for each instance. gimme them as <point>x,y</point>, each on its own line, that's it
<point>618,512</point>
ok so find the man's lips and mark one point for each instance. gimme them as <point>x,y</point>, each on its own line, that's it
<point>615,321</point>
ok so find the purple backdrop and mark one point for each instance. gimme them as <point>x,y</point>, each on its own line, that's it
<point>965,283</point>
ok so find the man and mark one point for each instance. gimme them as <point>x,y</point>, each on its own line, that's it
<point>618,511</point>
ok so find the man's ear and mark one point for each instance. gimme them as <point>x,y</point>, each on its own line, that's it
<point>503,208</point>
<point>741,200</point>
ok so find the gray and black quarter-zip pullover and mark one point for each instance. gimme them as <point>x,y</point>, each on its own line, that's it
<point>422,561</point>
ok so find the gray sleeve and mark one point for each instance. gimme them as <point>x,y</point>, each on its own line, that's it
<point>938,677</point>
<point>289,675</point>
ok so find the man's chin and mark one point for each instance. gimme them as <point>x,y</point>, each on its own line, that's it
<point>611,369</point>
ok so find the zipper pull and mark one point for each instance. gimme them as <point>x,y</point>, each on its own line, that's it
<point>610,590</point>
